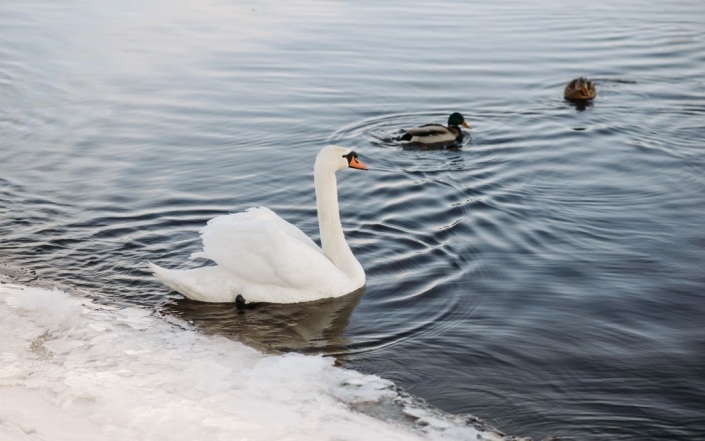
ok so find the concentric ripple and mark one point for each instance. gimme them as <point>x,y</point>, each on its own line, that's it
<point>546,274</point>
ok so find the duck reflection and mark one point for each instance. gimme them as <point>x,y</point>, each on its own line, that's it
<point>581,105</point>
<point>311,327</point>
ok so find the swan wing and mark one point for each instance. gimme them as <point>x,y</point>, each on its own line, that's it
<point>261,248</point>
<point>265,214</point>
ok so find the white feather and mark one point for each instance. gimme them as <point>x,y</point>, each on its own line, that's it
<point>264,258</point>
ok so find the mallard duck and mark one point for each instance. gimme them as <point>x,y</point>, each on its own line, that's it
<point>260,257</point>
<point>437,133</point>
<point>579,89</point>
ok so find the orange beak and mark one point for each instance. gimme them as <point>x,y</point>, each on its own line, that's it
<point>465,124</point>
<point>354,163</point>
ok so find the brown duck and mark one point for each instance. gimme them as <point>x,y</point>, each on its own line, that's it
<point>579,89</point>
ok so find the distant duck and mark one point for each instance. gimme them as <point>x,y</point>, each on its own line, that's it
<point>437,133</point>
<point>579,89</point>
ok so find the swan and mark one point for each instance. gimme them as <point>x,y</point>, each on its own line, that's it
<point>430,134</point>
<point>260,257</point>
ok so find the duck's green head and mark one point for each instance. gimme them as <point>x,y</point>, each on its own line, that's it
<point>456,119</point>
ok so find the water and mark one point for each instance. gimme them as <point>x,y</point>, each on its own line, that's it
<point>545,277</point>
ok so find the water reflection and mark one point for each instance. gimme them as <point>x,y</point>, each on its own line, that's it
<point>580,105</point>
<point>311,327</point>
<point>483,263</point>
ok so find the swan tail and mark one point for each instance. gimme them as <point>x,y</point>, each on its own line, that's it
<point>167,277</point>
<point>208,284</point>
<point>159,272</point>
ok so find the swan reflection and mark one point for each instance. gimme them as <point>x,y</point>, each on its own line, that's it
<point>310,327</point>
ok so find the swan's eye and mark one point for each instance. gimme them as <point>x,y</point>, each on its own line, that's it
<point>350,156</point>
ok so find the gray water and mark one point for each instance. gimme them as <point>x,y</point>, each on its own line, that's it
<point>547,276</point>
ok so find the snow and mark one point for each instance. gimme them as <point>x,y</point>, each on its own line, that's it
<point>73,370</point>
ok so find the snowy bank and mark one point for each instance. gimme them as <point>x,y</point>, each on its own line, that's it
<point>73,370</point>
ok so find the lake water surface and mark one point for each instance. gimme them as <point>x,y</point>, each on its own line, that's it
<point>548,276</point>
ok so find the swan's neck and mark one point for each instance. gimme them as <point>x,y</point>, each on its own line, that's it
<point>335,248</point>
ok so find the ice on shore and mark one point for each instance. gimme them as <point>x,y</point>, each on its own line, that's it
<point>73,370</point>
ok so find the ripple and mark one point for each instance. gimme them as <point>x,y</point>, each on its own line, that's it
<point>540,274</point>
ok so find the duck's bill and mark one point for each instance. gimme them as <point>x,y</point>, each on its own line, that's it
<point>465,124</point>
<point>355,163</point>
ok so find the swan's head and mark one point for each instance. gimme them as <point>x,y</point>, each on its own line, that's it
<point>338,158</point>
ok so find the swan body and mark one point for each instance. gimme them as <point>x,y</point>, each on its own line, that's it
<point>264,258</point>
<point>579,89</point>
<point>437,133</point>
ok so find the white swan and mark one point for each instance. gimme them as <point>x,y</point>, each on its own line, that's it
<point>261,257</point>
